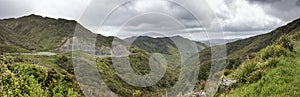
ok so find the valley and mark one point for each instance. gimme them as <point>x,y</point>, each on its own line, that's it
<point>37,58</point>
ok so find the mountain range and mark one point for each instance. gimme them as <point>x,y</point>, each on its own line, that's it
<point>35,33</point>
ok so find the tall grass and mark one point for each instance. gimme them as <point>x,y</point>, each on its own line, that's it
<point>273,72</point>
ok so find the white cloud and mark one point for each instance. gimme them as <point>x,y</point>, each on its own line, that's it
<point>240,18</point>
<point>150,5</point>
<point>70,9</point>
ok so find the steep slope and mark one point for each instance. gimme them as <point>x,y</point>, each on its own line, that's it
<point>36,33</point>
<point>24,34</point>
<point>243,48</point>
<point>30,80</point>
<point>164,45</point>
<point>240,50</point>
<point>273,72</point>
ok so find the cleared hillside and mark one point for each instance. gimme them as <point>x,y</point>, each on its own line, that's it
<point>273,72</point>
<point>239,51</point>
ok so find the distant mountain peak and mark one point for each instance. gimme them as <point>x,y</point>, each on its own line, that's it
<point>33,16</point>
<point>40,17</point>
<point>34,33</point>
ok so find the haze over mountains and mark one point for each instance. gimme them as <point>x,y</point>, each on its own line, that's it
<point>34,33</point>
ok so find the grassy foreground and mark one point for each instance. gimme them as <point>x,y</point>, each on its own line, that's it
<point>274,72</point>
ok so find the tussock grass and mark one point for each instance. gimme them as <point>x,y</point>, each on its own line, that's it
<point>273,73</point>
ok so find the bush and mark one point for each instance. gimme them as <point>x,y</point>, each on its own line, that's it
<point>252,70</point>
<point>272,62</point>
<point>272,51</point>
<point>286,41</point>
<point>243,72</point>
<point>255,76</point>
<point>296,36</point>
<point>65,62</point>
<point>30,80</point>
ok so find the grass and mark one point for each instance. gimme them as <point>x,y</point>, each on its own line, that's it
<point>274,73</point>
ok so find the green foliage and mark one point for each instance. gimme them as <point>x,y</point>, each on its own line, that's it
<point>34,33</point>
<point>242,50</point>
<point>11,48</point>
<point>165,45</point>
<point>244,71</point>
<point>282,81</point>
<point>137,93</point>
<point>33,76</point>
<point>30,80</point>
<point>275,72</point>
<point>286,42</point>
<point>252,70</point>
<point>273,51</point>
<point>296,36</point>
<point>139,63</point>
<point>65,63</point>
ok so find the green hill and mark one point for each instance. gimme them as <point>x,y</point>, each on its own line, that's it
<point>255,62</point>
<point>273,72</point>
<point>239,51</point>
<point>164,45</point>
<point>35,33</point>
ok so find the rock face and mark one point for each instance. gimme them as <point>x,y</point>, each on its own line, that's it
<point>226,84</point>
<point>198,94</point>
<point>227,81</point>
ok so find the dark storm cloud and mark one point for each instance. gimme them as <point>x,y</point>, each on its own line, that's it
<point>145,15</point>
<point>298,3</point>
<point>239,17</point>
<point>286,10</point>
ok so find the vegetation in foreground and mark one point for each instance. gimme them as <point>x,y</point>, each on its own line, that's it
<point>30,80</point>
<point>273,72</point>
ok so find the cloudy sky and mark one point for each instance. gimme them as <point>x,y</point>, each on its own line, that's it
<point>238,18</point>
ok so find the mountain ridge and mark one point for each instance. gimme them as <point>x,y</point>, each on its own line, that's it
<point>241,50</point>
<point>238,52</point>
<point>35,33</point>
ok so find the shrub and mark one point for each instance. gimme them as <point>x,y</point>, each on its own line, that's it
<point>286,41</point>
<point>255,76</point>
<point>272,62</point>
<point>227,72</point>
<point>137,93</point>
<point>252,70</point>
<point>296,36</point>
<point>272,51</point>
<point>30,80</point>
<point>245,69</point>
